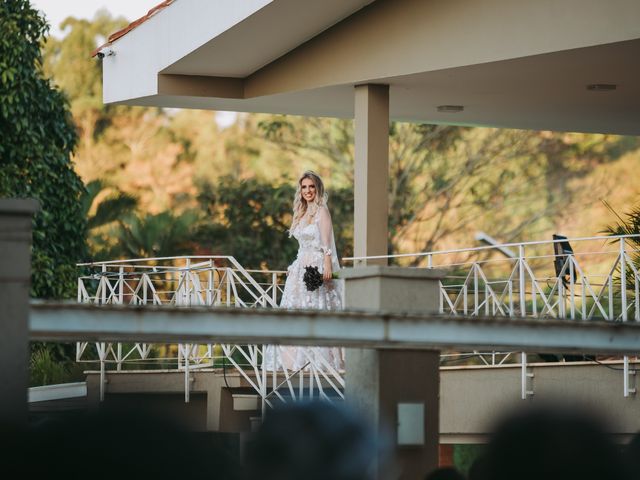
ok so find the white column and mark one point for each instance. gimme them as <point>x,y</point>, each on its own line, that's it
<point>371,209</point>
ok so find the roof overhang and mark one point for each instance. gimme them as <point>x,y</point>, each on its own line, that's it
<point>509,64</point>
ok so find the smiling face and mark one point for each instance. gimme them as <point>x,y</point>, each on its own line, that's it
<point>308,190</point>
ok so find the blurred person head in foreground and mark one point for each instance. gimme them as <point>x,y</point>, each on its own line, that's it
<point>115,442</point>
<point>312,441</point>
<point>445,473</point>
<point>551,443</point>
<point>632,457</point>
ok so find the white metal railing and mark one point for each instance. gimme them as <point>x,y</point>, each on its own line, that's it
<point>581,278</point>
<point>214,281</point>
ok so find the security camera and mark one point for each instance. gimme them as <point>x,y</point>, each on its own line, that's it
<point>106,52</point>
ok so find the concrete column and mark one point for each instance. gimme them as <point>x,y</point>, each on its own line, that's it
<point>15,273</point>
<point>371,209</point>
<point>384,384</point>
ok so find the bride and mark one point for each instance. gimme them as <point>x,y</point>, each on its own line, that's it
<point>311,226</point>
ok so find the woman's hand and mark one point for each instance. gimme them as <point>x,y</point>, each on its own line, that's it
<point>326,275</point>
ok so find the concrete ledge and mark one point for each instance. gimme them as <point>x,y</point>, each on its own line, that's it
<point>57,392</point>
<point>391,272</point>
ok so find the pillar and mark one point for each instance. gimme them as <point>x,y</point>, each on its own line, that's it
<point>394,386</point>
<point>15,273</point>
<point>371,176</point>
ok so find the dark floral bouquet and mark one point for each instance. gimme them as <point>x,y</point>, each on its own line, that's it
<point>313,278</point>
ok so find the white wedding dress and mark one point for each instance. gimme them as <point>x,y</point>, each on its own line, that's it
<point>315,239</point>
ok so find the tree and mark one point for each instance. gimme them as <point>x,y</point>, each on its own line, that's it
<point>38,137</point>
<point>446,182</point>
<point>628,226</point>
<point>102,206</point>
<point>250,220</point>
<point>161,235</point>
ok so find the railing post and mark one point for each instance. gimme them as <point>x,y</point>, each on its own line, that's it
<point>105,284</point>
<point>145,285</point>
<point>628,390</point>
<point>187,281</point>
<point>521,281</point>
<point>628,373</point>
<point>476,293</point>
<point>572,287</point>
<point>263,375</point>
<point>525,392</point>
<point>610,298</point>
<point>623,280</point>
<point>121,285</point>
<point>119,362</point>
<point>210,284</point>
<point>101,347</point>
<point>274,283</point>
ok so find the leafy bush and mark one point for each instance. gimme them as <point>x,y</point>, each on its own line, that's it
<point>38,137</point>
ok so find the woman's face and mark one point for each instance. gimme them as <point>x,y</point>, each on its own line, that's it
<point>308,189</point>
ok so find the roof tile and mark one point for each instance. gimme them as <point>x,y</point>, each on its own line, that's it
<point>122,32</point>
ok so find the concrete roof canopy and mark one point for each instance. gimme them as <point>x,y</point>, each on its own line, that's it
<point>568,65</point>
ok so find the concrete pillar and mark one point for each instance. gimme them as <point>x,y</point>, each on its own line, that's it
<point>15,274</point>
<point>392,386</point>
<point>371,209</point>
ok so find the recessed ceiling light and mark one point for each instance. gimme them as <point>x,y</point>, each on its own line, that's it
<point>601,87</point>
<point>450,108</point>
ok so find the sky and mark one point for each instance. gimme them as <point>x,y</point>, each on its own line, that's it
<point>56,11</point>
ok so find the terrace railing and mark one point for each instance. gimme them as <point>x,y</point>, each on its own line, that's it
<point>579,278</point>
<point>215,281</point>
<point>582,278</point>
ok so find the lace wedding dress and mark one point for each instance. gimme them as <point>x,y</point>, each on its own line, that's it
<point>316,240</point>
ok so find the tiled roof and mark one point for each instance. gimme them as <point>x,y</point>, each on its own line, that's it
<point>121,33</point>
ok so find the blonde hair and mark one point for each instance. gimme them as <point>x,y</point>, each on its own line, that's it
<point>300,204</point>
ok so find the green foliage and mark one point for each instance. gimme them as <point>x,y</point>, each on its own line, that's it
<point>161,235</point>
<point>50,364</point>
<point>447,182</point>
<point>250,220</point>
<point>630,225</point>
<point>108,209</point>
<point>38,137</point>
<point>44,370</point>
<point>464,455</point>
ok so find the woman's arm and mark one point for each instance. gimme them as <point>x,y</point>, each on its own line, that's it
<point>326,234</point>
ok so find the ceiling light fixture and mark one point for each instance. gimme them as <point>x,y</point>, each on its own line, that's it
<point>601,87</point>
<point>450,108</point>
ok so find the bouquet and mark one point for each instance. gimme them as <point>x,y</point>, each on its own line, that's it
<point>313,278</point>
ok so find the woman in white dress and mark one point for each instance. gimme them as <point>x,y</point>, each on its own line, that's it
<point>312,227</point>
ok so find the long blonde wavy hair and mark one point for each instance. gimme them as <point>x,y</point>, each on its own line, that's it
<point>300,204</point>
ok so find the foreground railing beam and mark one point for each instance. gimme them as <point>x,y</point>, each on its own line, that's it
<point>69,322</point>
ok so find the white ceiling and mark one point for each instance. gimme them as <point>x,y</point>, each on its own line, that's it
<point>543,92</point>
<point>264,36</point>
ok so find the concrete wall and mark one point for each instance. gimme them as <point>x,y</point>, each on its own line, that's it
<point>210,407</point>
<point>471,399</point>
